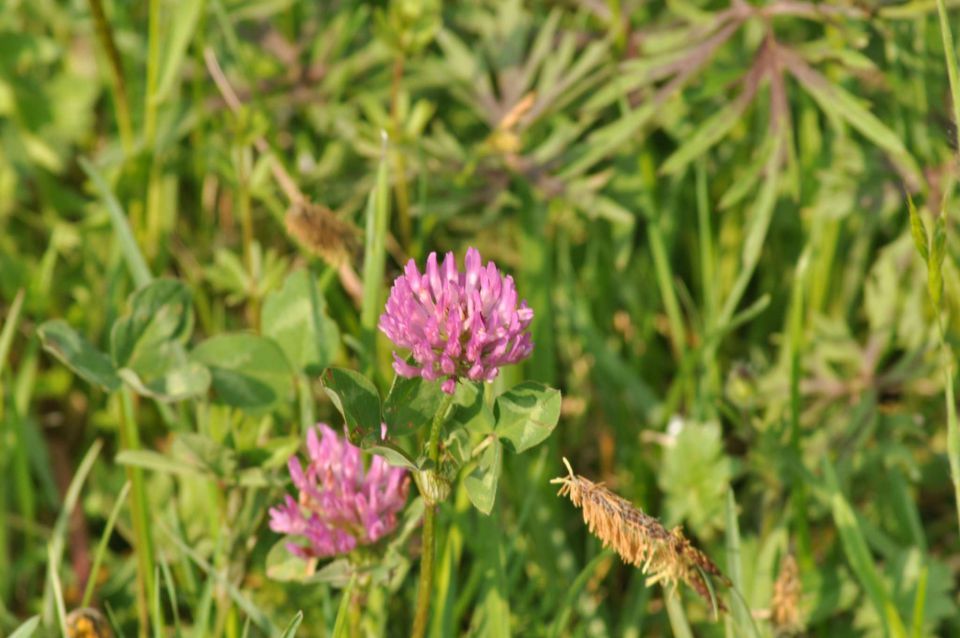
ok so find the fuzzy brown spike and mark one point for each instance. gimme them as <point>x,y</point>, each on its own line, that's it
<point>785,603</point>
<point>665,556</point>
<point>321,232</point>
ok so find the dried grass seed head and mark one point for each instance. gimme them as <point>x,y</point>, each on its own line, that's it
<point>665,556</point>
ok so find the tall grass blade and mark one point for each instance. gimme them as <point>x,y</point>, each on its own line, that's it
<point>950,52</point>
<point>678,618</point>
<point>375,257</point>
<point>259,617</point>
<point>558,628</point>
<point>60,528</point>
<point>293,626</point>
<point>741,623</point>
<point>102,545</point>
<point>920,604</point>
<point>341,626</point>
<point>6,335</point>
<point>56,589</point>
<point>858,555</point>
<point>27,629</point>
<point>128,245</point>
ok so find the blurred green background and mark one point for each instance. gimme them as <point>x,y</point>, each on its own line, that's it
<point>704,202</point>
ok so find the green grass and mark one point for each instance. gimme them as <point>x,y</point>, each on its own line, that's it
<point>706,207</point>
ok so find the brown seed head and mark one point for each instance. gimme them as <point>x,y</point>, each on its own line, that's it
<point>785,602</point>
<point>665,556</point>
<point>321,232</point>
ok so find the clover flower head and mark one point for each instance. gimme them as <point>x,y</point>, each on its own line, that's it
<point>340,504</point>
<point>456,324</point>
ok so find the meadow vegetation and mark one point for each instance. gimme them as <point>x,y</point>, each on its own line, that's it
<point>734,223</point>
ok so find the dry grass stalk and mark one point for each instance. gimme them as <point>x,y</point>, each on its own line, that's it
<point>321,232</point>
<point>785,602</point>
<point>641,540</point>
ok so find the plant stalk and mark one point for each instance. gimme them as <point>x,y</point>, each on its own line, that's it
<point>425,587</point>
<point>153,75</point>
<point>118,85</point>
<point>130,440</point>
<point>399,164</point>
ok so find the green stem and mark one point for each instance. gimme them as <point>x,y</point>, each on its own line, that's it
<point>953,427</point>
<point>102,546</point>
<point>661,264</point>
<point>374,261</point>
<point>795,344</point>
<point>244,160</point>
<point>153,75</point>
<point>950,51</point>
<point>119,87</point>
<point>678,618</point>
<point>429,527</point>
<point>130,439</point>
<point>399,163</point>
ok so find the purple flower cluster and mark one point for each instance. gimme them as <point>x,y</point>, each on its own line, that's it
<point>340,505</point>
<point>456,324</point>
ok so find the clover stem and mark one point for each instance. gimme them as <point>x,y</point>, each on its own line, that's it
<point>429,526</point>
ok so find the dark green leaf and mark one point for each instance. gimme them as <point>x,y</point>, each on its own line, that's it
<point>249,372</point>
<point>75,352</point>
<point>147,344</point>
<point>469,409</point>
<point>411,404</point>
<point>527,414</point>
<point>158,313</point>
<point>296,318</point>
<point>481,485</point>
<point>357,400</point>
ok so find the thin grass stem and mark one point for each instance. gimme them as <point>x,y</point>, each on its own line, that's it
<point>102,545</point>
<point>130,440</point>
<point>118,85</point>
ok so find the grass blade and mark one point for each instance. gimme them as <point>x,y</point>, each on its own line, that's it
<point>741,614</point>
<point>566,607</point>
<point>375,259</point>
<point>58,538</point>
<point>341,627</point>
<point>292,627</point>
<point>678,618</point>
<point>128,245</point>
<point>950,52</point>
<point>27,629</point>
<point>256,614</point>
<point>56,589</point>
<point>185,19</point>
<point>858,555</point>
<point>920,604</point>
<point>9,327</point>
<point>102,545</point>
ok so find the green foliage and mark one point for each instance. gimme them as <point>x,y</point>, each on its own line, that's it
<point>295,317</point>
<point>695,475</point>
<point>481,483</point>
<point>63,342</point>
<point>526,414</point>
<point>410,404</point>
<point>356,398</point>
<point>247,371</point>
<point>738,216</point>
